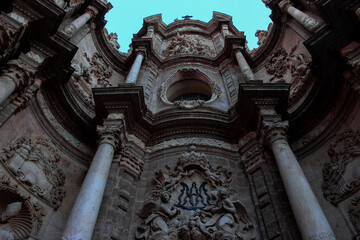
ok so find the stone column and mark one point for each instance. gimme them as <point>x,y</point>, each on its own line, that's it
<point>244,66</point>
<point>305,20</point>
<point>82,219</point>
<point>309,216</point>
<point>135,68</point>
<point>78,23</point>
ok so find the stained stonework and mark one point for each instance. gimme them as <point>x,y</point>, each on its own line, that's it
<point>77,113</point>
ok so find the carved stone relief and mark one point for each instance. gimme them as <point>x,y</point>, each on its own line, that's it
<point>262,35</point>
<point>354,213</point>
<point>112,39</point>
<point>20,216</point>
<point>188,44</point>
<point>281,63</point>
<point>194,201</point>
<point>341,174</point>
<point>34,165</point>
<point>7,40</point>
<point>96,75</point>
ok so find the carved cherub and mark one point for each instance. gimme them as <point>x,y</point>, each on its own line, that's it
<point>156,214</point>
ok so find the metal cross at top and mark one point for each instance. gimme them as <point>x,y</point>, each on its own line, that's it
<point>187,17</point>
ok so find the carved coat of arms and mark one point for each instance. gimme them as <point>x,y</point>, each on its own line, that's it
<point>194,202</point>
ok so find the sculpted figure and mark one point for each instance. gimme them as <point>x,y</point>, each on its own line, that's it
<point>156,214</point>
<point>11,210</point>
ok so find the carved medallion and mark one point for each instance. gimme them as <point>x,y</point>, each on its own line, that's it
<point>194,201</point>
<point>340,175</point>
<point>35,166</point>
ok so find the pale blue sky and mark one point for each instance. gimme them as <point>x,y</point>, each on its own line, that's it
<point>126,18</point>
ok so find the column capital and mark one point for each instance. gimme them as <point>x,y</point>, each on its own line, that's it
<point>110,134</point>
<point>284,5</point>
<point>273,130</point>
<point>92,11</point>
<point>18,71</point>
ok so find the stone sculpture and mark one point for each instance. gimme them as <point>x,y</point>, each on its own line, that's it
<point>194,202</point>
<point>187,44</point>
<point>11,210</point>
<point>35,165</point>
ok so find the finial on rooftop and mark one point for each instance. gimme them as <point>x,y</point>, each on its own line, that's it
<point>187,17</point>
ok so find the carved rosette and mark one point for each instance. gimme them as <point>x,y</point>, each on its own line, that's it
<point>193,202</point>
<point>34,165</point>
<point>340,176</point>
<point>111,135</point>
<point>274,131</point>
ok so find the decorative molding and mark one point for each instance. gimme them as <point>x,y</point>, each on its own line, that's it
<point>252,159</point>
<point>338,180</point>
<point>194,201</point>
<point>34,165</point>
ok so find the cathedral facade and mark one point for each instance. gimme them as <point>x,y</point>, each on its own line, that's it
<point>188,136</point>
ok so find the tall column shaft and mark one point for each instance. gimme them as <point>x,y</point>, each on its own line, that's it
<point>244,66</point>
<point>82,219</point>
<point>135,69</point>
<point>7,87</point>
<point>309,216</point>
<point>308,22</point>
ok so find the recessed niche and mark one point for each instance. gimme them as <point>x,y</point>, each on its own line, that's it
<point>189,89</point>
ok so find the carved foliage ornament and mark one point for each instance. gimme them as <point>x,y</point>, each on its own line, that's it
<point>188,44</point>
<point>35,166</point>
<point>340,175</point>
<point>192,202</point>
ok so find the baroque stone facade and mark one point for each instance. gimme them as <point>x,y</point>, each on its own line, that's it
<point>189,135</point>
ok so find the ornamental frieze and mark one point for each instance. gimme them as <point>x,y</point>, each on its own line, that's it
<point>194,201</point>
<point>34,165</point>
<point>340,178</point>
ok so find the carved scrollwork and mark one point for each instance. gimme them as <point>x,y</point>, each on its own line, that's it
<point>35,166</point>
<point>340,175</point>
<point>192,202</point>
<point>112,135</point>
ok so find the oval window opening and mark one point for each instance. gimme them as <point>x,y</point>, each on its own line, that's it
<point>190,89</point>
